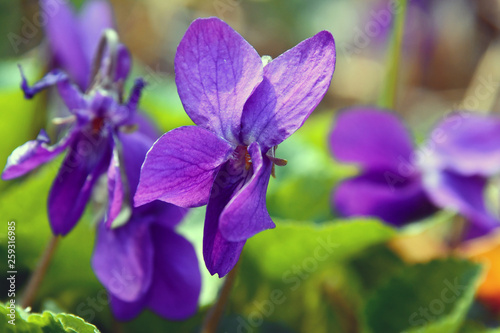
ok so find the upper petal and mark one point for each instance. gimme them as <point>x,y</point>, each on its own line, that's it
<point>95,17</point>
<point>63,32</point>
<point>464,194</point>
<point>181,167</point>
<point>468,143</point>
<point>246,214</point>
<point>387,196</point>
<point>373,138</point>
<point>176,282</point>
<point>294,84</point>
<point>123,259</point>
<point>220,254</point>
<point>33,153</point>
<point>87,159</point>
<point>216,71</point>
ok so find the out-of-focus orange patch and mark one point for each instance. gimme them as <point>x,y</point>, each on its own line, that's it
<point>487,251</point>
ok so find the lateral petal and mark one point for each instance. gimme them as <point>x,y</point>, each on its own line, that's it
<point>34,153</point>
<point>181,167</point>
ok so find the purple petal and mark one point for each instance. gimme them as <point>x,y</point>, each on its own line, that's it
<point>88,158</point>
<point>246,214</point>
<point>464,194</point>
<point>32,154</point>
<point>220,254</point>
<point>176,282</point>
<point>468,143</point>
<point>69,93</point>
<point>387,196</point>
<point>181,167</point>
<point>65,40</point>
<point>294,84</point>
<point>123,259</point>
<point>123,63</point>
<point>134,148</point>
<point>117,201</point>
<point>145,125</point>
<point>373,138</point>
<point>95,17</point>
<point>216,71</point>
<point>126,310</point>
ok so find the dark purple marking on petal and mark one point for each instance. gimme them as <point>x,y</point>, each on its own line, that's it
<point>181,167</point>
<point>216,71</point>
<point>294,84</point>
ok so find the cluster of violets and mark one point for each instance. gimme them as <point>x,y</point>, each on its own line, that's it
<point>401,184</point>
<point>243,106</point>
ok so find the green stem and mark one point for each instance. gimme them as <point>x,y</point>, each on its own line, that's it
<point>214,315</point>
<point>387,98</point>
<point>39,273</point>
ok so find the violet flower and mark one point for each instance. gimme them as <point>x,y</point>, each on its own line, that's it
<point>400,184</point>
<point>145,263</point>
<point>92,142</point>
<point>73,39</point>
<point>243,110</point>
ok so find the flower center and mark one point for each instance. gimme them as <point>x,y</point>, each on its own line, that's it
<point>242,157</point>
<point>97,124</point>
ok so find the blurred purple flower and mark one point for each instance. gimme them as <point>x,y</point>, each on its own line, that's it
<point>73,40</point>
<point>399,188</point>
<point>145,263</point>
<point>94,147</point>
<point>243,110</point>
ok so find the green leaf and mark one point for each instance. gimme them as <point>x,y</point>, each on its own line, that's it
<point>20,321</point>
<point>431,297</point>
<point>289,274</point>
<point>291,243</point>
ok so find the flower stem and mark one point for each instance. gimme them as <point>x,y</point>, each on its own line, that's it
<point>387,98</point>
<point>214,315</point>
<point>39,273</point>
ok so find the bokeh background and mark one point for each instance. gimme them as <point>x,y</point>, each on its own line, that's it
<point>450,51</point>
